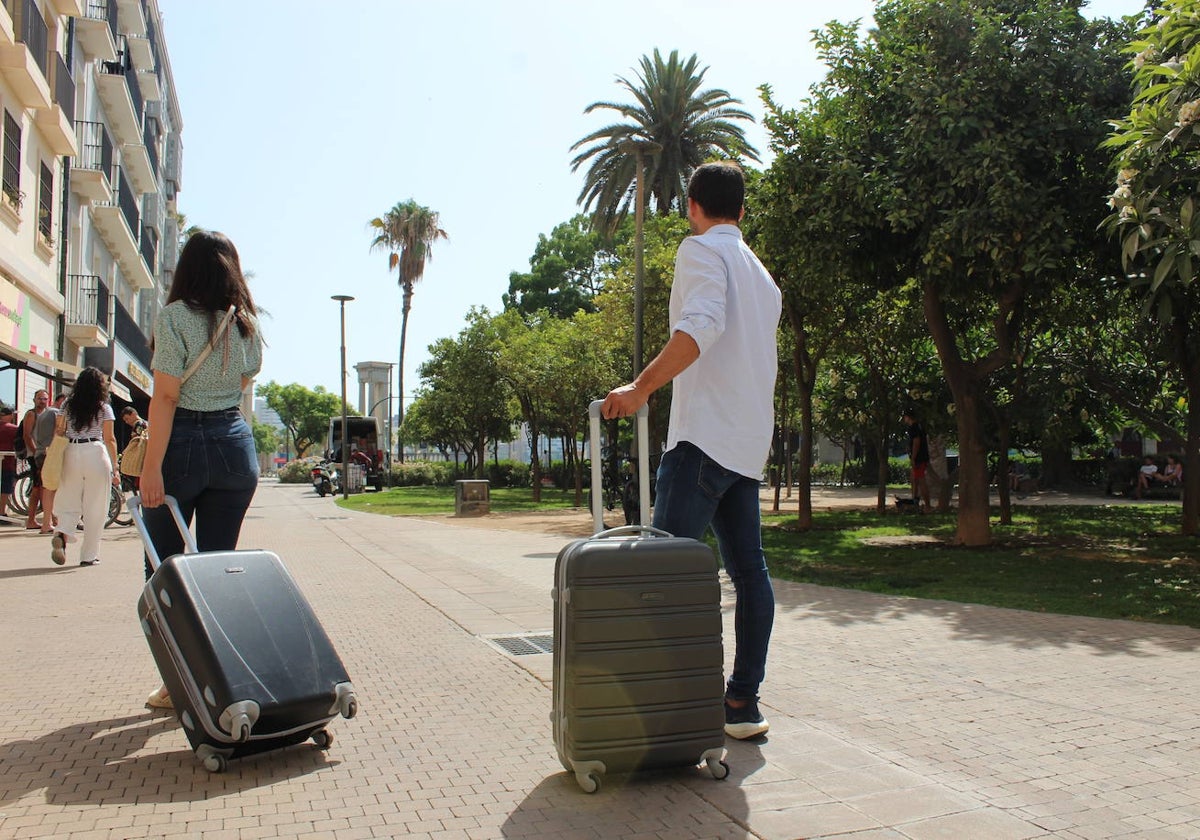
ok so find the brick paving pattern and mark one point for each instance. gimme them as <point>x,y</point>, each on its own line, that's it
<point>891,718</point>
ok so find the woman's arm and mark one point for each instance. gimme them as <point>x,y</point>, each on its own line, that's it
<point>162,418</point>
<point>110,443</point>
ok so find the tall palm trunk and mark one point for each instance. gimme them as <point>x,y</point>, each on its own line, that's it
<point>404,310</point>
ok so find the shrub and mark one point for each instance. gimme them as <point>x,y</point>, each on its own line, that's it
<point>298,471</point>
<point>423,474</point>
<point>508,474</point>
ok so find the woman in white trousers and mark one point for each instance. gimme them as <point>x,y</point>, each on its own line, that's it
<point>88,472</point>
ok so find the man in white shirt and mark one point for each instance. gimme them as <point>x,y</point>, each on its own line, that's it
<point>722,358</point>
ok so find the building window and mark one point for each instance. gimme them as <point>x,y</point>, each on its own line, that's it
<point>10,181</point>
<point>45,200</point>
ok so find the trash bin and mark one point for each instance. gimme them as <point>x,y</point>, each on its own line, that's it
<point>472,497</point>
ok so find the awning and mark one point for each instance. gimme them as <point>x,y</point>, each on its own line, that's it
<point>119,390</point>
<point>23,358</point>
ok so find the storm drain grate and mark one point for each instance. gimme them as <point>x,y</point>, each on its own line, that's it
<point>524,645</point>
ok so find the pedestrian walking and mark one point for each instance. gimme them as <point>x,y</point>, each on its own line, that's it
<point>207,349</point>
<point>41,399</point>
<point>918,455</point>
<point>721,357</point>
<point>43,433</point>
<point>9,431</point>
<point>88,468</point>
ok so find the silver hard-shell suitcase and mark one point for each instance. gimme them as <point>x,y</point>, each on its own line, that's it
<point>246,661</point>
<point>637,680</point>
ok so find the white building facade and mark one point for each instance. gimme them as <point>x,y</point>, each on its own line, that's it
<point>92,153</point>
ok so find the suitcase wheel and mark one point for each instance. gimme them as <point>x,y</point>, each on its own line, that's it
<point>588,782</point>
<point>719,769</point>
<point>345,703</point>
<point>216,763</point>
<point>323,738</point>
<point>715,761</point>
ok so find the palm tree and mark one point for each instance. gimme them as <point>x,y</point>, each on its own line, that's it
<point>407,232</point>
<point>670,110</point>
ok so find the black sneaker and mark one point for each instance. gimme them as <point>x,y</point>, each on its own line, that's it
<point>746,721</point>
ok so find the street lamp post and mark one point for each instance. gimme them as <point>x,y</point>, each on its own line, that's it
<point>341,299</point>
<point>638,148</point>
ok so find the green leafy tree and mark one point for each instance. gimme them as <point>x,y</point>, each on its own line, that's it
<point>977,122</point>
<point>266,438</point>
<point>304,412</point>
<point>669,109</point>
<point>1157,155</point>
<point>465,395</point>
<point>567,270</point>
<point>407,233</point>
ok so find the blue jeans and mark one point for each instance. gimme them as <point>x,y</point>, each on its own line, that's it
<point>694,492</point>
<point>211,468</point>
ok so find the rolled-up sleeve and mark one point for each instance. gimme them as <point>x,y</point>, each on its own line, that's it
<point>700,280</point>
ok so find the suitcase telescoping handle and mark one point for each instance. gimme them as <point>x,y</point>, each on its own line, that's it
<point>134,503</point>
<point>642,441</point>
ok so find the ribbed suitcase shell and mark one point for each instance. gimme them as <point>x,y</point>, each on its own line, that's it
<point>231,627</point>
<point>637,680</point>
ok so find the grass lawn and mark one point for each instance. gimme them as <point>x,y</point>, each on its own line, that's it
<point>402,501</point>
<point>1118,561</point>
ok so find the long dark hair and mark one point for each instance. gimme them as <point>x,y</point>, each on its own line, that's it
<point>87,398</point>
<point>209,278</point>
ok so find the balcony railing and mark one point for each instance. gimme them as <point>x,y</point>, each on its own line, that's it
<point>128,204</point>
<point>95,149</point>
<point>131,336</point>
<point>103,10</point>
<point>150,141</point>
<point>150,249</point>
<point>64,87</point>
<point>87,301</point>
<point>135,90</point>
<point>32,31</point>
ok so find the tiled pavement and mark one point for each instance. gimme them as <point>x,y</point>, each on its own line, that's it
<point>891,718</point>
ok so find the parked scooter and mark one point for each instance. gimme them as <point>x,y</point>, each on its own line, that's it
<point>326,479</point>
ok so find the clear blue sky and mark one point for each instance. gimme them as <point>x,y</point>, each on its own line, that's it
<point>304,119</point>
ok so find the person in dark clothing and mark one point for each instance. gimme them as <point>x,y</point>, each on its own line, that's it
<point>918,454</point>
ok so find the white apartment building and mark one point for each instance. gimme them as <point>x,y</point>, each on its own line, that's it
<point>92,155</point>
<point>121,216</point>
<point>37,102</point>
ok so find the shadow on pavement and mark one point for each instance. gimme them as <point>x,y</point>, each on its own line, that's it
<point>95,763</point>
<point>1017,628</point>
<point>641,804</point>
<point>34,572</point>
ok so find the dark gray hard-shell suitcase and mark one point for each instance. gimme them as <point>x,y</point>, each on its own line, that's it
<point>246,661</point>
<point>637,680</point>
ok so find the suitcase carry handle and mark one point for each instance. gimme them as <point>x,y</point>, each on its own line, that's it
<point>642,440</point>
<point>134,504</point>
<point>636,530</point>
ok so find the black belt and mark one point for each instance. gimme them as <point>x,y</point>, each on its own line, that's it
<point>187,412</point>
<point>83,440</point>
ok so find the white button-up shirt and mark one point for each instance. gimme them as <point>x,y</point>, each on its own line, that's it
<point>727,302</point>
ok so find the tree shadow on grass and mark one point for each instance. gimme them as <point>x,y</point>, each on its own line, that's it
<point>974,622</point>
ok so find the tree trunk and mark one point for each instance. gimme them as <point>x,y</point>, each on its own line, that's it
<point>974,528</point>
<point>405,307</point>
<point>1191,449</point>
<point>879,447</point>
<point>943,482</point>
<point>1002,485</point>
<point>1056,463</point>
<point>805,365</point>
<point>535,463</point>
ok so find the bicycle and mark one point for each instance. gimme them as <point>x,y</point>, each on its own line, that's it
<point>118,514</point>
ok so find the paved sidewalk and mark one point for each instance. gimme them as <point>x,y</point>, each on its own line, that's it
<point>891,718</point>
